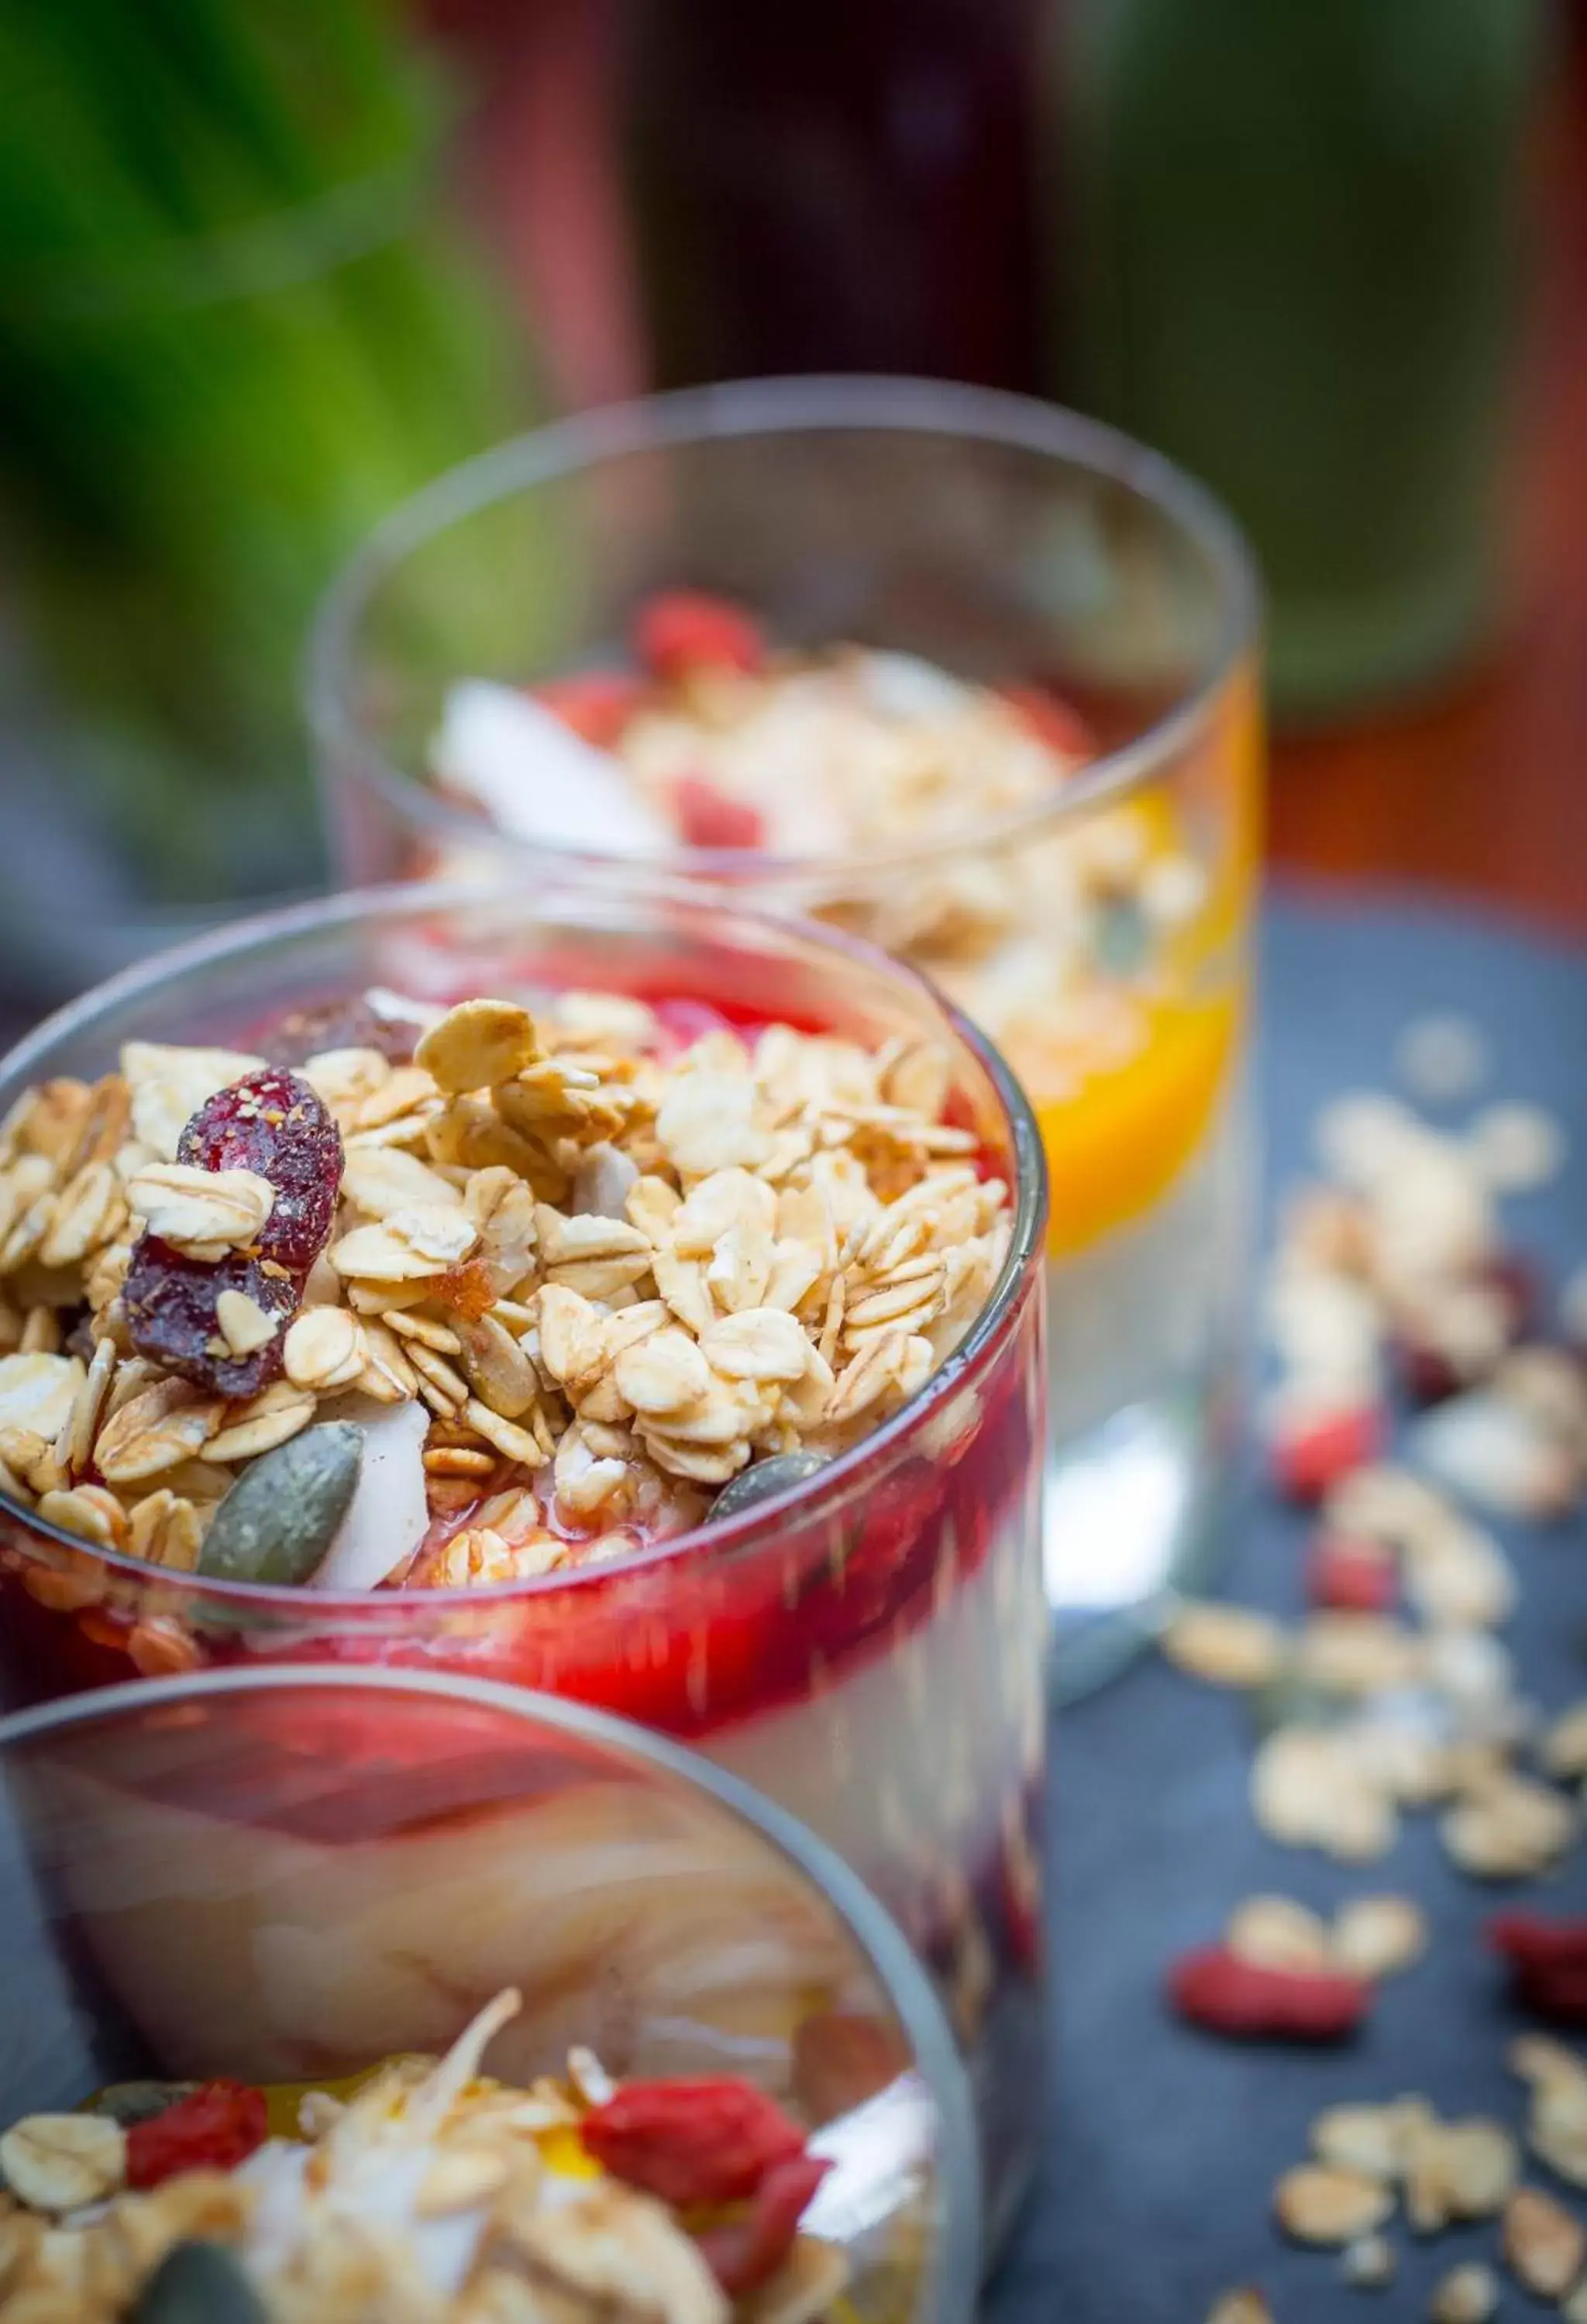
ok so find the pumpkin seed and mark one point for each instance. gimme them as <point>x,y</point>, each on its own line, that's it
<point>762,1478</point>
<point>282,1515</point>
<point>198,2284</point>
<point>130,2102</point>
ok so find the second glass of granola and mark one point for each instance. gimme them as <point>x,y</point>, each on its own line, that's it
<point>958,671</point>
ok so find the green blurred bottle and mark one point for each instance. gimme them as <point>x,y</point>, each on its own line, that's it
<point>1289,252</point>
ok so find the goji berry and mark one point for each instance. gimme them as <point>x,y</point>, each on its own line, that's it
<point>744,2252</point>
<point>1310,1455</point>
<point>1216,1988</point>
<point>708,817</point>
<point>214,2128</point>
<point>685,630</point>
<point>1350,1579</point>
<point>595,704</point>
<point>1052,721</point>
<point>1548,1963</point>
<point>691,2141</point>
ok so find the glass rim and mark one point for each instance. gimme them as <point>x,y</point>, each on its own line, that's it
<point>956,2273</point>
<point>821,1497</point>
<point>764,407</point>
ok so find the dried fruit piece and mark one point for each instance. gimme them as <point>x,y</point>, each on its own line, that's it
<point>271,1122</point>
<point>280,1518</point>
<point>214,2128</point>
<point>708,816</point>
<point>744,2253</point>
<point>680,631</point>
<point>1350,1579</point>
<point>1317,2203</point>
<point>1543,2245</point>
<point>595,704</point>
<point>272,1125</point>
<point>692,2142</point>
<point>1549,1961</point>
<point>1214,1987</point>
<point>1313,1453</point>
<point>59,2161</point>
<point>1052,721</point>
<point>340,1024</point>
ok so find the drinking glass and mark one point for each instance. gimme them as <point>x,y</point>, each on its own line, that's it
<point>1006,541</point>
<point>867,1649</point>
<point>286,1875</point>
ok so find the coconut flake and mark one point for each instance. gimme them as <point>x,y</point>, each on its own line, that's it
<point>903,686</point>
<point>388,1514</point>
<point>536,779</point>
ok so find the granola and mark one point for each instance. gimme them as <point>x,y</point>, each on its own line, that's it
<point>582,1273</point>
<point>423,2189</point>
<point>1063,945</point>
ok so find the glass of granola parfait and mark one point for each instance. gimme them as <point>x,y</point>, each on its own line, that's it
<point>630,1298</point>
<point>400,1995</point>
<point>962,672</point>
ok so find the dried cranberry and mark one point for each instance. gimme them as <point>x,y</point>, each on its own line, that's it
<point>339,1025</point>
<point>1427,1374</point>
<point>214,2128</point>
<point>691,2141</point>
<point>744,2253</point>
<point>1548,1963</point>
<point>172,1306</point>
<point>595,704</point>
<point>709,818</point>
<point>1214,1987</point>
<point>272,1122</point>
<point>683,630</point>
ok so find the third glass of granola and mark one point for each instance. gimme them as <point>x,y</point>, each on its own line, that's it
<point>962,672</point>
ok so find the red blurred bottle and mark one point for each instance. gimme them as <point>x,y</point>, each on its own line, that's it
<point>841,185</point>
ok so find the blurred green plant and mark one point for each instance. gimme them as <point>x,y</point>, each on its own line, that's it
<point>236,324</point>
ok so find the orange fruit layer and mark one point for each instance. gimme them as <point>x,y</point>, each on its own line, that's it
<point>1119,1141</point>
